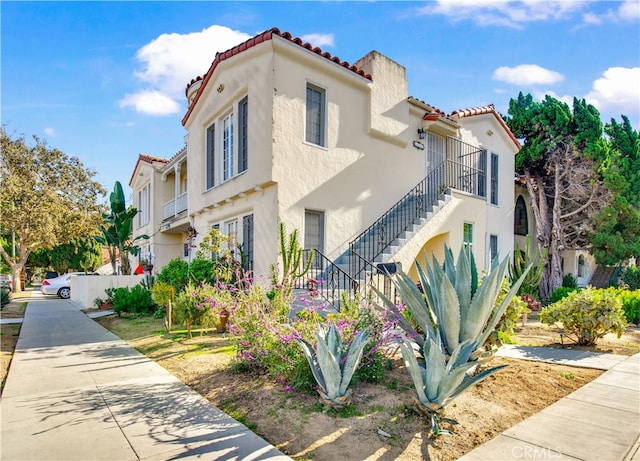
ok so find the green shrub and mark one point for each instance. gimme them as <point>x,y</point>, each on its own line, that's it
<point>569,281</point>
<point>175,274</point>
<point>202,271</point>
<point>587,315</point>
<point>631,277</point>
<point>202,305</point>
<point>136,300</point>
<point>630,304</point>
<point>162,293</point>
<point>561,293</point>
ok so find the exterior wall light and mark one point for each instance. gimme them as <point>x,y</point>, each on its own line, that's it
<point>421,133</point>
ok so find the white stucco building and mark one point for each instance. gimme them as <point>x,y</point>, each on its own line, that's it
<point>281,131</point>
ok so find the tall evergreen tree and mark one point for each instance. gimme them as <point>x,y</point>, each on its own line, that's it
<point>617,233</point>
<point>560,149</point>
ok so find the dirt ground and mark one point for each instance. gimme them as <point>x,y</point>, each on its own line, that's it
<point>379,425</point>
<point>9,336</point>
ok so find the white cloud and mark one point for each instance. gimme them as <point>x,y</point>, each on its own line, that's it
<point>628,10</point>
<point>527,74</point>
<point>170,61</point>
<point>319,39</point>
<point>50,132</point>
<point>501,12</point>
<point>617,90</point>
<point>150,102</point>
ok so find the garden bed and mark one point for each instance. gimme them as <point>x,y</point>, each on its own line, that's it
<point>379,424</point>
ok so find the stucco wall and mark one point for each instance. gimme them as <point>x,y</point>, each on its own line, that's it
<point>368,164</point>
<point>85,289</point>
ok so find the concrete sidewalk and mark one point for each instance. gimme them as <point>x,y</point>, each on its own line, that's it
<point>77,392</point>
<point>598,422</point>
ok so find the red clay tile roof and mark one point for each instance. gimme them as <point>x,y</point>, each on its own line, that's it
<point>484,110</point>
<point>264,36</point>
<point>150,159</point>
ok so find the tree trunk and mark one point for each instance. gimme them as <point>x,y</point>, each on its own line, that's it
<point>540,208</point>
<point>16,265</point>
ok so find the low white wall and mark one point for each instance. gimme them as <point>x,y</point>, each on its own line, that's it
<point>86,288</point>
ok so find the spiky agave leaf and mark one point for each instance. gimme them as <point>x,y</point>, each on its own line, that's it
<point>463,284</point>
<point>449,325</point>
<point>313,362</point>
<point>334,340</point>
<point>330,366</point>
<point>499,312</point>
<point>483,303</point>
<point>325,362</point>
<point>416,371</point>
<point>354,355</point>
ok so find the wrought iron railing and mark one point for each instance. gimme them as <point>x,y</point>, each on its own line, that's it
<point>326,280</point>
<point>373,241</point>
<point>464,168</point>
<point>376,275</point>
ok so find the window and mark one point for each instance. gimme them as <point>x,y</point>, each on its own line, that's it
<point>316,113</point>
<point>215,254</point>
<point>494,179</point>
<point>493,247</point>
<point>581,266</point>
<point>242,251</point>
<point>482,173</point>
<point>231,231</point>
<point>521,224</point>
<point>143,206</point>
<point>467,237</point>
<point>314,230</point>
<point>227,147</point>
<point>211,161</point>
<point>247,242</point>
<point>435,151</point>
<point>243,135</point>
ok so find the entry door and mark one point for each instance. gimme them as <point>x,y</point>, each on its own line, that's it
<point>314,230</point>
<point>434,152</point>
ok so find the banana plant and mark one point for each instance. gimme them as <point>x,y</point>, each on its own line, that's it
<point>118,229</point>
<point>441,379</point>
<point>331,368</point>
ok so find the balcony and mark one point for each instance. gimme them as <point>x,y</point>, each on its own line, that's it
<point>174,207</point>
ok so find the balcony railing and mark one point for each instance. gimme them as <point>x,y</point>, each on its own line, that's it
<point>174,207</point>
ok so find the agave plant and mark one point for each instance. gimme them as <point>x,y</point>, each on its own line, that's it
<point>456,307</point>
<point>331,368</point>
<point>441,379</point>
<point>456,315</point>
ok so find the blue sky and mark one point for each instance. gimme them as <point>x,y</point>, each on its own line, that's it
<point>105,81</point>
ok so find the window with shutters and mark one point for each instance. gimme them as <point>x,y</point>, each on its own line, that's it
<point>211,159</point>
<point>316,115</point>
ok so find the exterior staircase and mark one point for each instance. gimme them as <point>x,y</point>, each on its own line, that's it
<point>369,259</point>
<point>604,277</point>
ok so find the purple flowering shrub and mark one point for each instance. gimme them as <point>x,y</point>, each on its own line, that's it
<point>265,332</point>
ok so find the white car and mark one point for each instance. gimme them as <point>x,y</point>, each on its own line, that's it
<point>60,286</point>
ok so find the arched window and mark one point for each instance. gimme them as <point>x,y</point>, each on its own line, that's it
<point>521,224</point>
